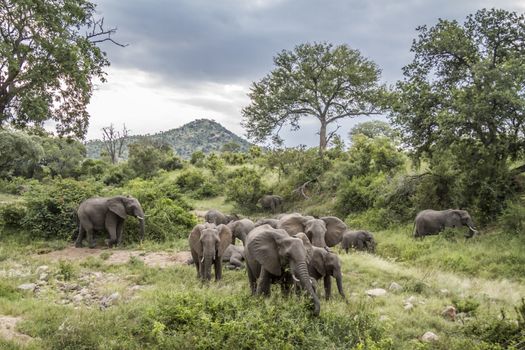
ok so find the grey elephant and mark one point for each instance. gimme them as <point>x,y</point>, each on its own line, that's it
<point>208,243</point>
<point>240,229</point>
<point>234,256</point>
<point>360,240</point>
<point>216,217</point>
<point>325,264</point>
<point>272,222</point>
<point>271,202</point>
<point>326,231</point>
<point>273,256</point>
<point>431,222</point>
<point>107,213</point>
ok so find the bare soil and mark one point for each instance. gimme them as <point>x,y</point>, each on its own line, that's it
<point>153,259</point>
<point>8,332</point>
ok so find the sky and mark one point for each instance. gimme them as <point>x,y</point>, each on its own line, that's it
<point>192,59</point>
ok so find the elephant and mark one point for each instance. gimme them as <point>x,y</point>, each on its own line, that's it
<point>360,240</point>
<point>240,229</point>
<point>271,202</point>
<point>431,222</point>
<point>234,255</point>
<point>216,217</point>
<point>207,244</point>
<point>326,231</point>
<point>272,222</point>
<point>273,256</point>
<point>107,213</point>
<point>323,263</point>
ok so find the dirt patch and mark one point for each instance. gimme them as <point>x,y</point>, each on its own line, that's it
<point>200,213</point>
<point>8,332</point>
<point>153,259</point>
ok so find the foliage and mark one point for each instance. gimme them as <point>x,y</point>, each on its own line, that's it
<point>146,157</point>
<point>62,157</point>
<point>51,207</point>
<point>48,63</point>
<point>193,182</point>
<point>316,80</point>
<point>16,185</point>
<point>197,158</point>
<point>462,95</point>
<point>215,164</point>
<point>232,147</point>
<point>373,129</point>
<point>12,214</point>
<point>19,154</point>
<point>512,220</point>
<point>244,188</point>
<point>93,168</point>
<point>118,174</point>
<point>359,194</point>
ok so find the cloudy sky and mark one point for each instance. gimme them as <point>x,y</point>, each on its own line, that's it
<point>189,59</point>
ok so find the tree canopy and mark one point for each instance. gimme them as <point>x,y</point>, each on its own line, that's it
<point>314,80</point>
<point>48,63</point>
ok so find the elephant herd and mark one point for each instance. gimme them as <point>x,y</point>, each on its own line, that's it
<point>292,250</point>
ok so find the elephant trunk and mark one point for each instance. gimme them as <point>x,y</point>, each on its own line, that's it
<point>339,281</point>
<point>142,228</point>
<point>318,241</point>
<point>207,262</point>
<point>301,271</point>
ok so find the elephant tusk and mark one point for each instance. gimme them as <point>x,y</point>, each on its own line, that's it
<point>202,260</point>
<point>295,278</point>
<point>473,229</point>
<point>140,217</point>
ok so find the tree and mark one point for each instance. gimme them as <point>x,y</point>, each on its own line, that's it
<point>464,93</point>
<point>231,147</point>
<point>317,80</point>
<point>373,129</point>
<point>19,154</point>
<point>62,156</point>
<point>114,141</point>
<point>47,65</point>
<point>147,156</point>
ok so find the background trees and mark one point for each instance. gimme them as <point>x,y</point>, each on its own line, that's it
<point>316,80</point>
<point>47,64</point>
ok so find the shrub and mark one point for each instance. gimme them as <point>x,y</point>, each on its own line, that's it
<point>195,184</point>
<point>51,207</point>
<point>12,214</point>
<point>512,220</point>
<point>15,185</point>
<point>360,193</point>
<point>245,188</point>
<point>117,175</point>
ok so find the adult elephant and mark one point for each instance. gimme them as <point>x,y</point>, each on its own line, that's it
<point>272,222</point>
<point>273,256</point>
<point>431,222</point>
<point>326,231</point>
<point>214,216</point>
<point>325,264</point>
<point>271,202</point>
<point>107,213</point>
<point>207,244</point>
<point>234,256</point>
<point>240,229</point>
<point>360,240</point>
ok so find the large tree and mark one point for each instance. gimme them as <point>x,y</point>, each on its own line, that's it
<point>48,60</point>
<point>462,102</point>
<point>314,80</point>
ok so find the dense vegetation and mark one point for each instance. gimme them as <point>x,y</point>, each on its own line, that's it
<point>456,140</point>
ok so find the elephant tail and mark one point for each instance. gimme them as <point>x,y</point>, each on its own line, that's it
<point>414,231</point>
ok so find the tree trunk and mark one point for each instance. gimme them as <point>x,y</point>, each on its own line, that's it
<point>322,138</point>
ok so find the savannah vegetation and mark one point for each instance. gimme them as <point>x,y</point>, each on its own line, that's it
<point>454,141</point>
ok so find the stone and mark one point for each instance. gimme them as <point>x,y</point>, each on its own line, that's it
<point>444,291</point>
<point>376,292</point>
<point>411,299</point>
<point>43,276</point>
<point>449,313</point>
<point>395,287</point>
<point>408,306</point>
<point>27,286</point>
<point>109,300</point>
<point>71,287</point>
<point>135,288</point>
<point>41,269</point>
<point>429,337</point>
<point>78,298</point>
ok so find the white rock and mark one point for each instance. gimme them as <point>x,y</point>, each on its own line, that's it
<point>78,298</point>
<point>42,269</point>
<point>449,312</point>
<point>429,337</point>
<point>27,286</point>
<point>443,291</point>
<point>408,306</point>
<point>376,292</point>
<point>395,287</point>
<point>412,299</point>
<point>43,276</point>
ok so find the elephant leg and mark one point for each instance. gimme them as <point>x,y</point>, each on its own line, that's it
<point>89,235</point>
<point>197,263</point>
<point>218,268</point>
<point>120,229</point>
<point>263,284</point>
<point>252,280</point>
<point>111,227</point>
<point>327,286</point>
<point>360,244</point>
<point>235,262</point>
<point>80,238</point>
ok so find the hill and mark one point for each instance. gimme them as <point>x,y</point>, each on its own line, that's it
<point>201,134</point>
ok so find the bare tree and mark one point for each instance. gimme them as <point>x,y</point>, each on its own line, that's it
<point>114,141</point>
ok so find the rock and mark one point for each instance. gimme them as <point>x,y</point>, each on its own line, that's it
<point>449,313</point>
<point>107,301</point>
<point>78,298</point>
<point>412,299</point>
<point>84,291</point>
<point>444,291</point>
<point>395,287</point>
<point>135,288</point>
<point>43,276</point>
<point>41,269</point>
<point>71,287</point>
<point>408,306</point>
<point>27,286</point>
<point>429,337</point>
<point>383,318</point>
<point>376,292</point>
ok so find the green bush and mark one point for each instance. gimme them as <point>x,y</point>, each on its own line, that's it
<point>193,182</point>
<point>51,207</point>
<point>117,175</point>
<point>512,220</point>
<point>12,214</point>
<point>244,188</point>
<point>359,194</point>
<point>15,185</point>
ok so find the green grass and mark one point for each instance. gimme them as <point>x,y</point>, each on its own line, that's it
<point>9,198</point>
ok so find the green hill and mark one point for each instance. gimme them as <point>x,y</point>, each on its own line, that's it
<point>201,134</point>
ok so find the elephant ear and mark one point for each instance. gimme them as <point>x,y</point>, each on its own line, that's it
<point>318,260</point>
<point>293,223</point>
<point>334,230</point>
<point>264,249</point>
<point>115,205</point>
<point>225,238</point>
<point>307,245</point>
<point>194,239</point>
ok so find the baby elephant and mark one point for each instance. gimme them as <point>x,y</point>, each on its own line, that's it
<point>234,257</point>
<point>360,240</point>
